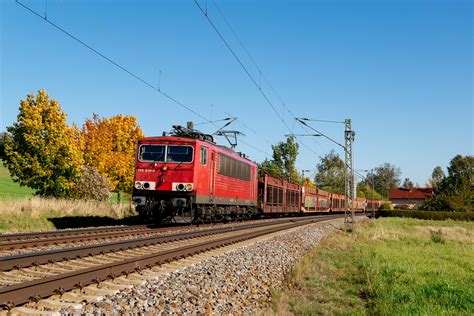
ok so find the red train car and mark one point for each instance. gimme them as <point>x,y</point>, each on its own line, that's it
<point>186,176</point>
<point>278,196</point>
<point>314,200</point>
<point>337,202</point>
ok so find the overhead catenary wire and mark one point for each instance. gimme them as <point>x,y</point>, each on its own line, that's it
<point>116,64</point>
<point>242,65</point>
<point>239,61</point>
<point>129,72</point>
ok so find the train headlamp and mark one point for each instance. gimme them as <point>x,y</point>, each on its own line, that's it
<point>189,187</point>
<point>164,168</point>
<point>138,185</point>
<point>180,187</point>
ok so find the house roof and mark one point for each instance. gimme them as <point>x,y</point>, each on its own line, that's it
<point>414,193</point>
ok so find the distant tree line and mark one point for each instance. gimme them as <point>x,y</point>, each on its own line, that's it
<point>43,152</point>
<point>454,191</point>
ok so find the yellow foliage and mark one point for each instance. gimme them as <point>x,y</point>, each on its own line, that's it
<point>41,150</point>
<point>109,145</point>
<point>309,183</point>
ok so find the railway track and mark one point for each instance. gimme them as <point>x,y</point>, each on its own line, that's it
<point>33,277</point>
<point>13,244</point>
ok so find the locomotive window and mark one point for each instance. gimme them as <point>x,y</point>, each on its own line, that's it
<point>233,168</point>
<point>203,156</point>
<point>179,154</point>
<point>152,153</point>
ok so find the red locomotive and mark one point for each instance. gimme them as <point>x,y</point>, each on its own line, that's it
<point>186,177</point>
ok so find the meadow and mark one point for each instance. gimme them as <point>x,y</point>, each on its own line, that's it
<point>21,210</point>
<point>389,266</point>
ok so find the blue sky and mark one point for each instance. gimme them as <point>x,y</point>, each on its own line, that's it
<point>401,70</point>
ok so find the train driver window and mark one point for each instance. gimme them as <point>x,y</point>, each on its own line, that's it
<point>203,156</point>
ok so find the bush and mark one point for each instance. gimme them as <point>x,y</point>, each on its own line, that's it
<point>386,207</point>
<point>437,236</point>
<point>433,215</point>
<point>91,186</point>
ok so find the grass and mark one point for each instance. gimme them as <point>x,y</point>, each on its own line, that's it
<point>21,210</point>
<point>10,190</point>
<point>37,213</point>
<point>392,266</point>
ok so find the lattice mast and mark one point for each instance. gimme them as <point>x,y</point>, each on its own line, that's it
<point>349,135</point>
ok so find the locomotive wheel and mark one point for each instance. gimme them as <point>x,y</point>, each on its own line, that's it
<point>184,216</point>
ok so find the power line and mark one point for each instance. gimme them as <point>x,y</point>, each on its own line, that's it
<point>322,134</point>
<point>116,64</point>
<point>129,72</point>
<point>261,74</point>
<point>324,121</point>
<point>206,16</point>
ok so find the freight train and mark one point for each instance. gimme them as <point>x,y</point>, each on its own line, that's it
<point>185,177</point>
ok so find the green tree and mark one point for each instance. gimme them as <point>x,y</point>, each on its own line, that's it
<point>283,164</point>
<point>367,192</point>
<point>455,191</point>
<point>3,136</point>
<point>330,173</point>
<point>41,150</point>
<point>384,177</point>
<point>437,175</point>
<point>407,184</point>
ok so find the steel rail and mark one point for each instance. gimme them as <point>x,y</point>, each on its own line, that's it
<point>43,257</point>
<point>35,290</point>
<point>28,243</point>
<point>65,232</point>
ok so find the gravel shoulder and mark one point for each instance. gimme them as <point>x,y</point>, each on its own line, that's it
<point>235,279</point>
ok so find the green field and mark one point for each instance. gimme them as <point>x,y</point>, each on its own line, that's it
<point>10,189</point>
<point>392,266</point>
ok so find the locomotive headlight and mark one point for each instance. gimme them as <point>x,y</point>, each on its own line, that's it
<point>189,187</point>
<point>138,185</point>
<point>146,185</point>
<point>180,187</point>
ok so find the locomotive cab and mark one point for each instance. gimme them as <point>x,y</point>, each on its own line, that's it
<point>164,178</point>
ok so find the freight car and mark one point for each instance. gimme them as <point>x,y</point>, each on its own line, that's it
<point>185,177</point>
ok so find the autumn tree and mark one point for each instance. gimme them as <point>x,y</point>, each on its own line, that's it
<point>40,149</point>
<point>109,146</point>
<point>330,173</point>
<point>283,164</point>
<point>307,182</point>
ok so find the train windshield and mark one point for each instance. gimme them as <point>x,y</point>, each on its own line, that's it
<point>154,153</point>
<point>179,154</point>
<point>166,153</point>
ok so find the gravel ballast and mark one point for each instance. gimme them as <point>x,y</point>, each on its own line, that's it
<point>238,281</point>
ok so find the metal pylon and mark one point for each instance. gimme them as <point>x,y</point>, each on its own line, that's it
<point>349,135</point>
